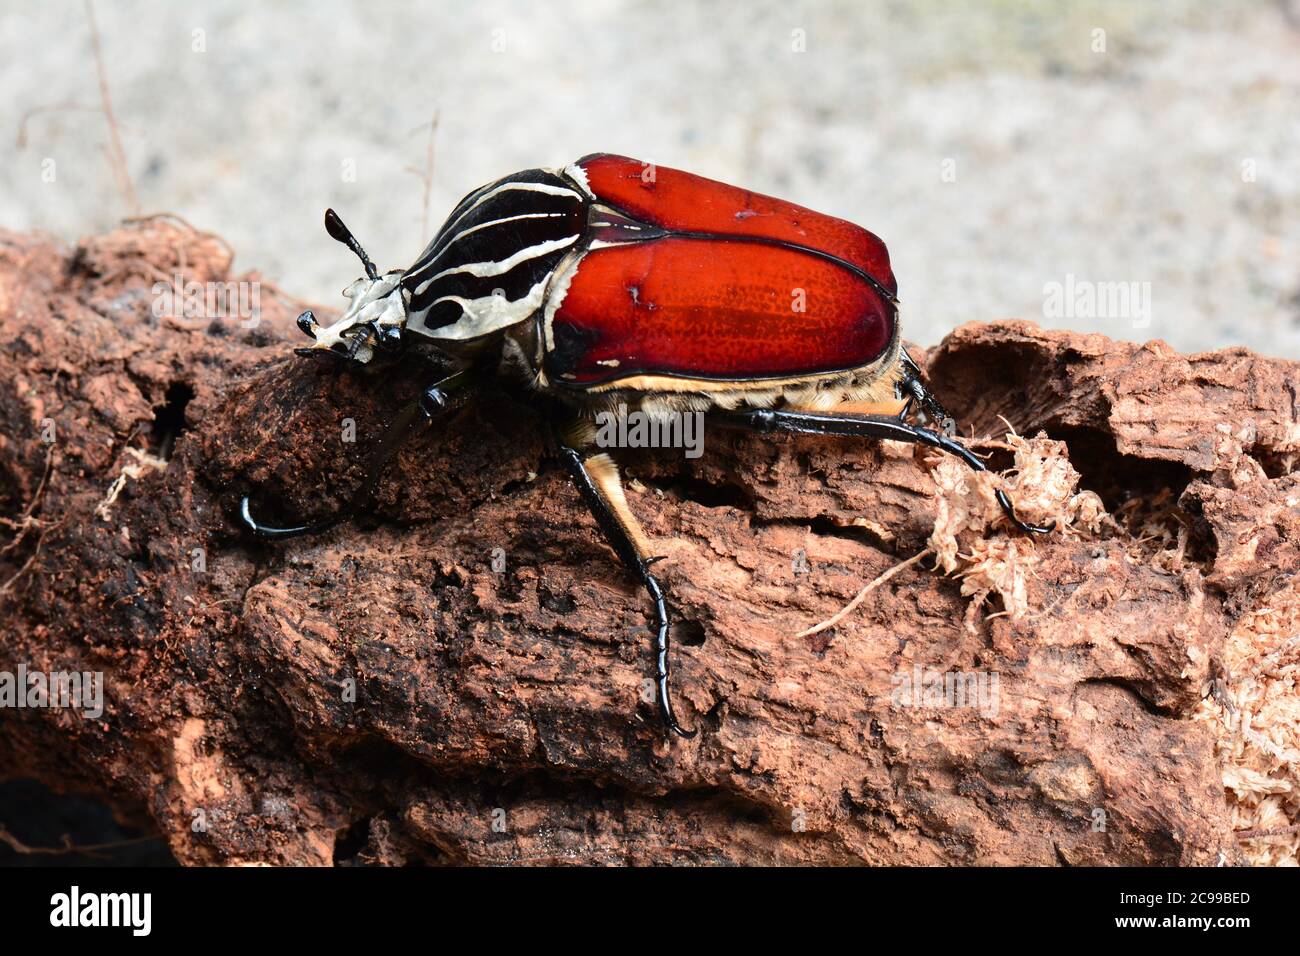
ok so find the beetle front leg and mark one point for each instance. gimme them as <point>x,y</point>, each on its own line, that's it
<point>598,480</point>
<point>868,426</point>
<point>434,402</point>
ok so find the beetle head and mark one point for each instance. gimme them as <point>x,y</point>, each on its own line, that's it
<point>376,313</point>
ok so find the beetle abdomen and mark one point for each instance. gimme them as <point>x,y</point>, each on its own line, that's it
<point>489,265</point>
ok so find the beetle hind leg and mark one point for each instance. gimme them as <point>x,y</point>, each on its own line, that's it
<point>870,426</point>
<point>598,481</point>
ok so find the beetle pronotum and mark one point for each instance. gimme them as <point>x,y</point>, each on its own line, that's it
<point>612,283</point>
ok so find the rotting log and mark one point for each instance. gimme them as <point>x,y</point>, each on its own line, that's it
<point>381,694</point>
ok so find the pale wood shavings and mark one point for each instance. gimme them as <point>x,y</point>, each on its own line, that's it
<point>1044,487</point>
<point>1254,713</point>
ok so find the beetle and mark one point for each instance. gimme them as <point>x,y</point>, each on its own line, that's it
<point>616,283</point>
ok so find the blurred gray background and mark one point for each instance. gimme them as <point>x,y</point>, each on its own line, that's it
<point>997,148</point>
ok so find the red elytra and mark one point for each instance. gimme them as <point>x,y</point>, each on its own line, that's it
<point>741,286</point>
<point>683,202</point>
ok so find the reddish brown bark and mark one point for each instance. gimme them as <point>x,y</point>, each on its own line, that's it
<point>498,717</point>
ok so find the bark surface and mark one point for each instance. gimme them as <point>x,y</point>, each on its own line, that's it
<point>382,694</point>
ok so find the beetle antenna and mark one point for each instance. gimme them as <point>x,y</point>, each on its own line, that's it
<point>334,226</point>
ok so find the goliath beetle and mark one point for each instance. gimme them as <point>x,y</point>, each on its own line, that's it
<point>614,282</point>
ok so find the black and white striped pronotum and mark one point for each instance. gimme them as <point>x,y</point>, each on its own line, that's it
<point>612,282</point>
<point>489,268</point>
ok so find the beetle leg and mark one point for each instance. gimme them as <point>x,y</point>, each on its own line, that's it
<point>598,481</point>
<point>913,389</point>
<point>433,402</point>
<point>869,426</point>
